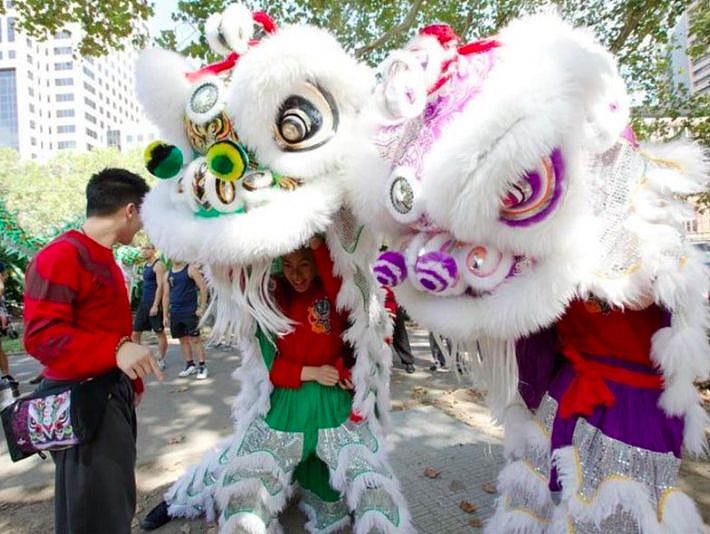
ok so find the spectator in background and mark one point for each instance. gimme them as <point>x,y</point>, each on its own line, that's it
<point>180,304</point>
<point>400,338</point>
<point>78,325</point>
<point>149,315</point>
<point>4,331</point>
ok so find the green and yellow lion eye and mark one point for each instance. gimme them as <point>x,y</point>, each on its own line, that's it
<point>163,160</point>
<point>227,160</point>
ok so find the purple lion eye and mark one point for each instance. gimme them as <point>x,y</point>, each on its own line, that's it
<point>537,194</point>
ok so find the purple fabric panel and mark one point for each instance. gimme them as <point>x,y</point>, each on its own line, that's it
<point>537,359</point>
<point>635,419</point>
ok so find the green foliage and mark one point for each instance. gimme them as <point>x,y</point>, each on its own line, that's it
<point>45,196</point>
<point>106,24</point>
<point>636,31</point>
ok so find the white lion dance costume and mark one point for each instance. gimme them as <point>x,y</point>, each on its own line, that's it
<point>251,170</point>
<point>526,223</point>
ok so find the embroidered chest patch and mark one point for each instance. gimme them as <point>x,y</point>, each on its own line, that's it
<point>319,316</point>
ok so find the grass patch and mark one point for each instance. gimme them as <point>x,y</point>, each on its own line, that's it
<point>14,345</point>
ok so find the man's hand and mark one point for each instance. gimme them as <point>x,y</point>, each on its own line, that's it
<point>326,375</point>
<point>136,361</point>
<point>153,310</point>
<point>200,311</point>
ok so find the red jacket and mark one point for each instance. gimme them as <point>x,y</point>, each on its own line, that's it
<point>76,308</point>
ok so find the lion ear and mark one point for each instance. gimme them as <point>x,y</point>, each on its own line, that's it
<point>162,88</point>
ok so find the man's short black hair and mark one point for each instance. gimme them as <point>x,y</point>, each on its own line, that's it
<point>3,267</point>
<point>111,189</point>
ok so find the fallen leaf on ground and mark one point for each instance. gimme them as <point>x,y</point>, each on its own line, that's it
<point>176,439</point>
<point>179,389</point>
<point>475,522</point>
<point>467,507</point>
<point>490,487</point>
<point>185,529</point>
<point>457,485</point>
<point>430,472</point>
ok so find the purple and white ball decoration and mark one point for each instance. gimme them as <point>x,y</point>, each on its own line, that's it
<point>390,268</point>
<point>436,271</point>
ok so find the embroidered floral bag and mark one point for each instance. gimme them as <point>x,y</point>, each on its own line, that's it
<point>58,417</point>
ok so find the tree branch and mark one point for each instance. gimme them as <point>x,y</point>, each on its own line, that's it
<point>406,23</point>
<point>631,23</point>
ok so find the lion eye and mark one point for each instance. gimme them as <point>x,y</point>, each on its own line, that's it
<point>307,119</point>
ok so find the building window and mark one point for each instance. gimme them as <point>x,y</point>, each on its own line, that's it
<point>31,107</point>
<point>10,54</point>
<point>62,34</point>
<point>129,138</point>
<point>8,109</point>
<point>29,59</point>
<point>89,88</point>
<point>66,128</point>
<point>65,113</point>
<point>89,117</point>
<point>30,76</point>
<point>30,91</point>
<point>89,102</point>
<point>91,133</point>
<point>64,145</point>
<point>88,72</point>
<point>65,97</point>
<point>10,29</point>
<point>64,81</point>
<point>33,141</point>
<point>62,50</point>
<point>65,65</point>
<point>33,125</point>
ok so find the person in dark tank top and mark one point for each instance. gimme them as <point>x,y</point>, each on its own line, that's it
<point>149,315</point>
<point>184,302</point>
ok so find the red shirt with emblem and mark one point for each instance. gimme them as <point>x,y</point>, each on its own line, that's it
<point>316,339</point>
<point>76,308</point>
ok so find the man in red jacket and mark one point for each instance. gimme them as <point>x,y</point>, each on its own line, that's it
<point>78,325</point>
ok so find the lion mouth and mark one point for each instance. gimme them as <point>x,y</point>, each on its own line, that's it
<point>209,196</point>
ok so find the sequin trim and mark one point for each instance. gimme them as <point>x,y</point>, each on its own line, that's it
<point>268,480</point>
<point>600,458</point>
<point>323,514</point>
<point>285,447</point>
<point>621,521</point>
<point>378,500</point>
<point>247,503</point>
<point>348,229</point>
<point>333,440</point>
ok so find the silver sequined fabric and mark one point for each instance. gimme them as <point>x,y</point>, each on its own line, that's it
<point>621,522</point>
<point>379,500</point>
<point>618,173</point>
<point>285,447</point>
<point>333,440</point>
<point>268,480</point>
<point>326,514</point>
<point>347,229</point>
<point>602,457</point>
<point>247,503</point>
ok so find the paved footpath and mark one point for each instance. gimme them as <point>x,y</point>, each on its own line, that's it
<point>438,423</point>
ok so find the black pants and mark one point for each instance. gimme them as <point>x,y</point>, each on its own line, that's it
<point>400,339</point>
<point>94,483</point>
